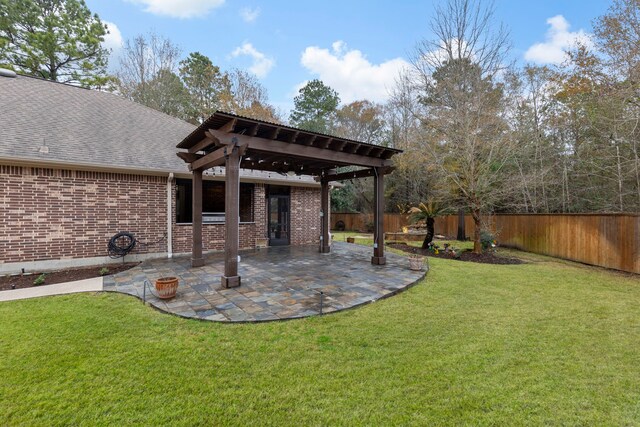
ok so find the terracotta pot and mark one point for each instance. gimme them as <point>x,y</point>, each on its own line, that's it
<point>351,240</point>
<point>416,263</point>
<point>167,287</point>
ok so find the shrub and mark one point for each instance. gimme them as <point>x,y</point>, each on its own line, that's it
<point>103,271</point>
<point>487,240</point>
<point>39,280</point>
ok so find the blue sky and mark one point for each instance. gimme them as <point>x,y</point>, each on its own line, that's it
<point>354,46</point>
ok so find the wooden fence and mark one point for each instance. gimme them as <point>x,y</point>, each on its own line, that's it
<point>364,222</point>
<point>606,240</point>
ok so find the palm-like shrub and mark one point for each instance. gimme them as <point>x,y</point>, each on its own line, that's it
<point>426,212</point>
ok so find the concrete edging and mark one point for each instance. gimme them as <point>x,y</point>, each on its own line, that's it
<point>86,285</point>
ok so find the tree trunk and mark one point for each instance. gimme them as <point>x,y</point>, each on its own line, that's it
<point>430,233</point>
<point>462,235</point>
<point>477,245</point>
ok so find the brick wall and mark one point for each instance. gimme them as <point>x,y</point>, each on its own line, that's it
<point>50,214</point>
<point>260,211</point>
<point>212,237</point>
<point>305,215</point>
<point>57,214</point>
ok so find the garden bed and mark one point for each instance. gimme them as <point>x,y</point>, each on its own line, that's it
<point>26,280</point>
<point>485,257</point>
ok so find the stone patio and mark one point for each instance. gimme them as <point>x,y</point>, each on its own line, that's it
<point>277,283</point>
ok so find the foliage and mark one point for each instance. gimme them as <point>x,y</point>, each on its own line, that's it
<point>423,211</point>
<point>576,124</point>
<point>344,199</point>
<point>246,96</point>
<point>205,84</point>
<point>58,40</point>
<point>315,107</point>
<point>531,362</point>
<point>361,121</point>
<point>103,271</point>
<point>427,212</point>
<point>487,239</point>
<point>40,280</point>
<point>166,93</point>
<point>464,103</point>
<point>147,75</point>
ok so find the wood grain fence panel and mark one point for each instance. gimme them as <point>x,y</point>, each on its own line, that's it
<point>606,240</point>
<point>358,222</point>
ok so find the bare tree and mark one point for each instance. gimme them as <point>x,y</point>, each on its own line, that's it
<point>246,96</point>
<point>463,29</point>
<point>467,133</point>
<point>415,179</point>
<point>143,58</point>
<point>147,74</point>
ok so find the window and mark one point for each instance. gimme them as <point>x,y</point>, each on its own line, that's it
<point>212,200</point>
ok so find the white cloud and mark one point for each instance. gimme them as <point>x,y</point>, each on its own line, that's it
<point>113,40</point>
<point>261,65</point>
<point>350,73</point>
<point>249,15</point>
<point>179,8</point>
<point>557,40</point>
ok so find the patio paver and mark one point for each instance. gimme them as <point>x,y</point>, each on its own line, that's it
<point>277,283</point>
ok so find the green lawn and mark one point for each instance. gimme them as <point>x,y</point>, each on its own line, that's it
<point>548,342</point>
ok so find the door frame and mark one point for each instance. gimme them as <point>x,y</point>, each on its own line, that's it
<point>281,241</point>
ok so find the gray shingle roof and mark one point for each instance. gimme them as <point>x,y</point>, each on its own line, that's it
<point>89,127</point>
<point>85,126</point>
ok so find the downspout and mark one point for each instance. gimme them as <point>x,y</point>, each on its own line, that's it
<point>169,216</point>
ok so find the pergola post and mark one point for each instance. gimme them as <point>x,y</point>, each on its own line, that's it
<point>196,251</point>
<point>324,206</point>
<point>378,257</point>
<point>230,279</point>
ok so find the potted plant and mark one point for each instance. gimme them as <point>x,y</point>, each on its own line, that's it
<point>167,287</point>
<point>416,262</point>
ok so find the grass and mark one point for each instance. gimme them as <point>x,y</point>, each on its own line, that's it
<point>547,342</point>
<point>367,239</point>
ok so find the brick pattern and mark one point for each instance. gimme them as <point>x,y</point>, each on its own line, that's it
<point>260,211</point>
<point>48,214</point>
<point>212,237</point>
<point>59,214</point>
<point>305,215</point>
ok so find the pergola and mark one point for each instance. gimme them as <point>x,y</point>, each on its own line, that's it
<point>237,142</point>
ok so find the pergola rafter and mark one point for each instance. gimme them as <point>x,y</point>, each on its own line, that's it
<point>239,142</point>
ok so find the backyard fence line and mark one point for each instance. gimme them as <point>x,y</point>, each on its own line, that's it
<point>605,240</point>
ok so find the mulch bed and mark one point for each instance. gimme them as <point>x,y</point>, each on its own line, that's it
<point>26,280</point>
<point>485,257</point>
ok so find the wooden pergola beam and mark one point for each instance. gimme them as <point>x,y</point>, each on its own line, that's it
<point>311,140</point>
<point>231,278</point>
<point>378,257</point>
<point>324,213</point>
<point>326,143</point>
<point>366,150</point>
<point>204,144</point>
<point>189,157</point>
<point>215,158</point>
<point>253,130</point>
<point>304,152</point>
<point>293,137</point>
<point>363,173</point>
<point>229,126</point>
<point>196,228</point>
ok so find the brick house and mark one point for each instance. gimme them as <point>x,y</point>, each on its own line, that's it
<point>78,166</point>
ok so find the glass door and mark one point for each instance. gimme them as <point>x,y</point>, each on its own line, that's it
<point>279,227</point>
